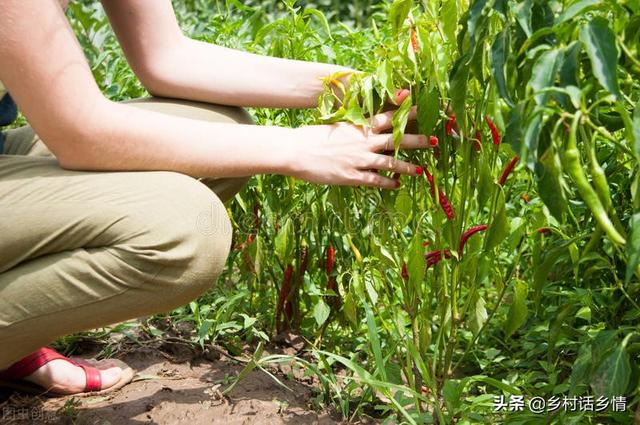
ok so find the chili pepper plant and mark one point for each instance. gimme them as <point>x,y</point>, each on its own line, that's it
<point>509,267</point>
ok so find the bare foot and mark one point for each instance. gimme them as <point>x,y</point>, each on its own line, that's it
<point>62,377</point>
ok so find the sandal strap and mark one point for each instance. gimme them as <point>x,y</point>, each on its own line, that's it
<point>34,361</point>
<point>94,378</point>
<point>29,364</point>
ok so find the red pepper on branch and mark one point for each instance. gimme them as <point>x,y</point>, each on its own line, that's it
<point>467,234</point>
<point>414,41</point>
<point>292,302</point>
<point>434,257</point>
<point>444,201</point>
<point>405,273</point>
<point>452,126</point>
<point>477,143</point>
<point>507,170</point>
<point>284,292</point>
<point>331,253</point>
<point>433,141</point>
<point>495,134</point>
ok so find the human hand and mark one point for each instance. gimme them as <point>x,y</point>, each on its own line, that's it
<point>350,155</point>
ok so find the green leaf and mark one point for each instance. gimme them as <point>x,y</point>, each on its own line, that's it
<point>452,392</point>
<point>542,270</point>
<point>321,312</point>
<point>499,227</point>
<point>518,311</point>
<point>350,309</point>
<point>513,134</point>
<point>633,248</point>
<point>532,135</point>
<point>374,340</point>
<point>403,205</point>
<point>449,16</point>
<point>384,74</point>
<point>258,255</point>
<point>398,14</point>
<point>612,376</point>
<point>478,314</point>
<point>416,264</point>
<point>399,121</point>
<point>549,174</point>
<point>544,73</point>
<point>523,16</point>
<point>284,242</point>
<point>600,43</point>
<point>485,182</point>
<point>320,17</point>
<point>576,9</point>
<point>354,113</point>
<point>499,54</point>
<point>636,131</point>
<point>477,15</point>
<point>458,89</point>
<point>581,367</point>
<point>428,110</point>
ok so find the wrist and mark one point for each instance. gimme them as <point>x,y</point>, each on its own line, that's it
<point>286,153</point>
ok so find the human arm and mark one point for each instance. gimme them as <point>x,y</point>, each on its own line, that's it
<point>170,64</point>
<point>43,67</point>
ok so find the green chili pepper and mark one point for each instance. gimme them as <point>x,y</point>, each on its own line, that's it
<point>573,166</point>
<point>599,178</point>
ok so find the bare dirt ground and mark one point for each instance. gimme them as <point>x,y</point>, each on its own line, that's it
<point>175,389</point>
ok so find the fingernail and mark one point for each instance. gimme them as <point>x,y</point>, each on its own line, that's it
<point>419,171</point>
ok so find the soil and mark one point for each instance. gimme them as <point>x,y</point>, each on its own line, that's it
<point>182,387</point>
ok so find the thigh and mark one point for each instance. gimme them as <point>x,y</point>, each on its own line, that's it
<point>79,250</point>
<point>45,209</point>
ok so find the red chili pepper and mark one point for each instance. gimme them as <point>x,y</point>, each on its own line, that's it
<point>446,205</point>
<point>507,170</point>
<point>444,201</point>
<point>433,141</point>
<point>244,244</point>
<point>331,253</point>
<point>470,232</point>
<point>495,134</point>
<point>331,284</point>
<point>434,257</point>
<point>288,311</point>
<point>544,231</point>
<point>452,126</point>
<point>477,144</point>
<point>405,273</point>
<point>429,176</point>
<point>414,41</point>
<point>284,292</point>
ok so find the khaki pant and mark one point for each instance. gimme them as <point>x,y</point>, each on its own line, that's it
<point>81,250</point>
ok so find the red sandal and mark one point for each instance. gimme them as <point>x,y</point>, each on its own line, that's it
<point>13,377</point>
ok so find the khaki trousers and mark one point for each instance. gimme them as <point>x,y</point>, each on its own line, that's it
<point>81,250</point>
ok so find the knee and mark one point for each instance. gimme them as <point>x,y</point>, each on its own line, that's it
<point>186,239</point>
